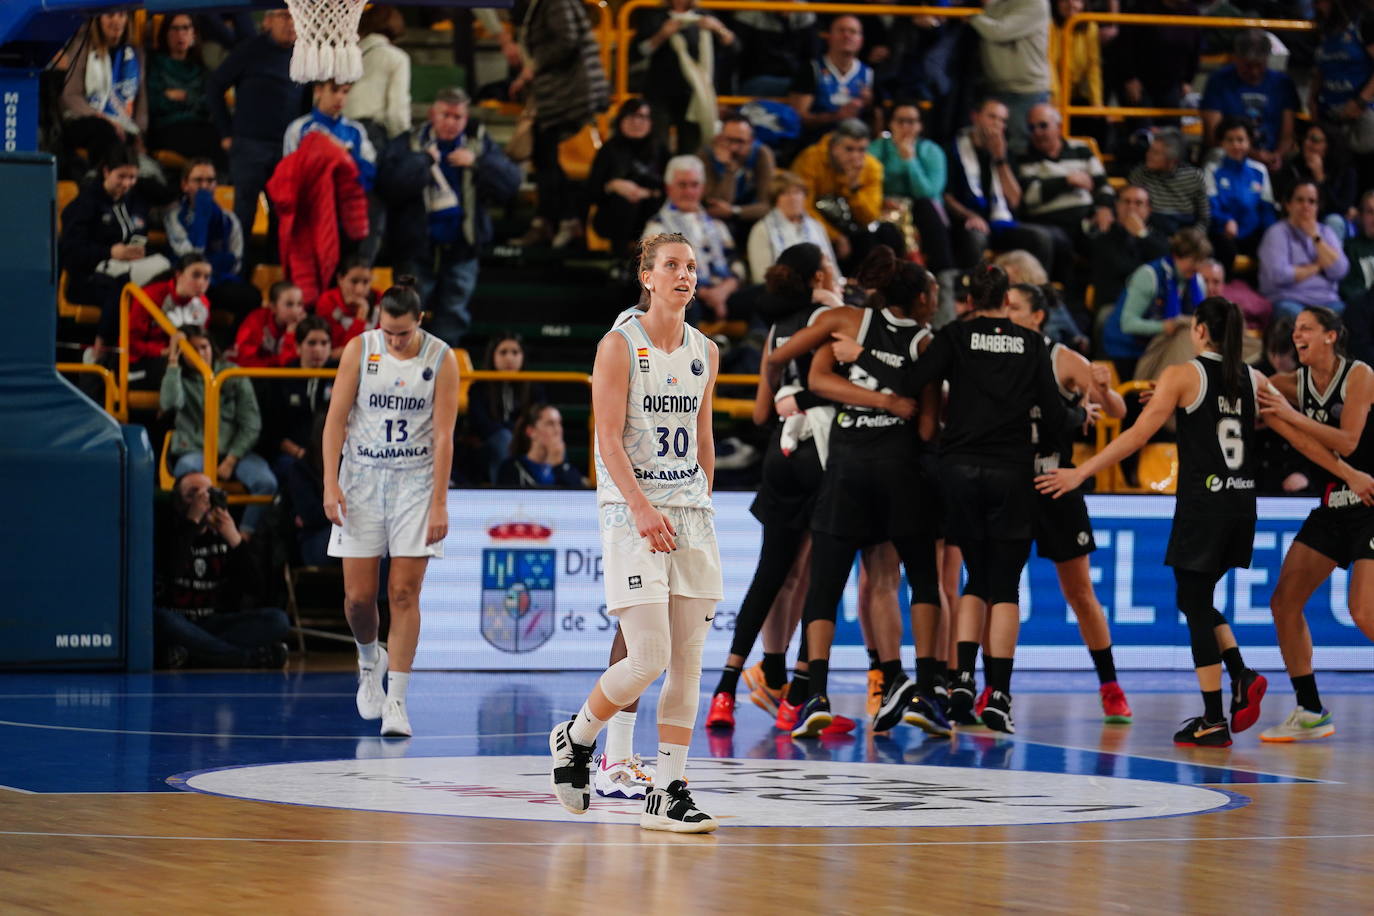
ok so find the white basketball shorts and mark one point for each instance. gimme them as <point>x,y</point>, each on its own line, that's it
<point>385,512</point>
<point>634,575</point>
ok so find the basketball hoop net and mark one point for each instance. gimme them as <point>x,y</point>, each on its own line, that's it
<point>326,40</point>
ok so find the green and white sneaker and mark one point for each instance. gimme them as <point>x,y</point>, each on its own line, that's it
<point>1301,725</point>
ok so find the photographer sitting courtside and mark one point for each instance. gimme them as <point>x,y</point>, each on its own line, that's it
<point>202,571</point>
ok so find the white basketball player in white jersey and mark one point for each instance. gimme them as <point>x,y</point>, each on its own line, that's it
<point>655,460</point>
<point>391,419</point>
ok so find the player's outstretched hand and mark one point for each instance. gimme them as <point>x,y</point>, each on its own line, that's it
<point>1058,482</point>
<point>438,523</point>
<point>846,348</point>
<point>334,508</point>
<point>654,525</point>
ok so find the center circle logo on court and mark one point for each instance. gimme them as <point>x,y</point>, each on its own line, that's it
<point>742,793</point>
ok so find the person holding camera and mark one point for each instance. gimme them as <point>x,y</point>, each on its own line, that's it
<point>202,574</point>
<point>240,422</point>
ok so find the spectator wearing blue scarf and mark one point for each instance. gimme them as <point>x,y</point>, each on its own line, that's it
<point>104,102</point>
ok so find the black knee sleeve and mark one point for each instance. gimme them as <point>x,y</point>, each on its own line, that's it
<point>976,564</point>
<point>922,574</point>
<point>776,556</point>
<point>832,558</point>
<point>1007,559</point>
<point>1194,595</point>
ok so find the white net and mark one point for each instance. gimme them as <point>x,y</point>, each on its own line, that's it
<point>326,40</point>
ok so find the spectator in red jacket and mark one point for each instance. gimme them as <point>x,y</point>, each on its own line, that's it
<point>316,191</point>
<point>351,306</point>
<point>267,336</point>
<point>183,300</point>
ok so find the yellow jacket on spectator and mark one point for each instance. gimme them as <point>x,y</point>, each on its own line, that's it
<point>1085,65</point>
<point>814,167</point>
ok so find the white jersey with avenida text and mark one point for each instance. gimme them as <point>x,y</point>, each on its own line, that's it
<point>392,421</point>
<point>666,392</point>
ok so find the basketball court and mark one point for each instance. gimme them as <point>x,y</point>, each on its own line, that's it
<point>225,791</point>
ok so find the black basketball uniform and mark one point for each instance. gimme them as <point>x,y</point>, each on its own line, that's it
<point>1342,527</point>
<point>1062,528</point>
<point>997,372</point>
<point>790,482</point>
<point>871,491</point>
<point>1214,510</point>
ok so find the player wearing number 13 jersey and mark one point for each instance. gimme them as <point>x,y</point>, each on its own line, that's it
<point>388,448</point>
<point>1213,400</point>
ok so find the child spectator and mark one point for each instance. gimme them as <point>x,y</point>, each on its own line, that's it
<point>293,414</point>
<point>183,299</point>
<point>1239,195</point>
<point>538,453</point>
<point>350,307</point>
<point>495,407</point>
<point>267,336</point>
<point>327,116</point>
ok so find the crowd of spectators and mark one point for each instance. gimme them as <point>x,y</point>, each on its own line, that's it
<point>942,139</point>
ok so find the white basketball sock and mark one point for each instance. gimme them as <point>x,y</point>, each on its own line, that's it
<point>620,736</point>
<point>586,726</point>
<point>672,763</point>
<point>396,684</point>
<point>368,654</point>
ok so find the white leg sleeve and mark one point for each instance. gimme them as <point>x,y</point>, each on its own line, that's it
<point>689,619</point>
<point>647,640</point>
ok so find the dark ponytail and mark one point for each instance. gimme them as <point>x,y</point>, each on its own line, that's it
<point>1330,321</point>
<point>402,299</point>
<point>988,285</point>
<point>907,283</point>
<point>1221,317</point>
<point>876,268</point>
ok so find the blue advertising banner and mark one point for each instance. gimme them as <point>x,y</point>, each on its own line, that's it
<point>520,587</point>
<point>18,111</point>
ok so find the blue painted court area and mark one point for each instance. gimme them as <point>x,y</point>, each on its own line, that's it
<point>129,733</point>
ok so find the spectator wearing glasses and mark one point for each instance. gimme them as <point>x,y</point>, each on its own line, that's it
<point>1015,54</point>
<point>178,111</point>
<point>1061,180</point>
<point>197,222</point>
<point>738,172</point>
<point>626,180</point>
<point>1120,239</point>
<point>915,170</point>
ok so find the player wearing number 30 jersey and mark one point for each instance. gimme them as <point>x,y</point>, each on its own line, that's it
<point>388,448</point>
<point>655,456</point>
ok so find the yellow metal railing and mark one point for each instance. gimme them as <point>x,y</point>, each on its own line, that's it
<point>625,32</point>
<point>1065,63</point>
<point>127,297</point>
<point>106,377</point>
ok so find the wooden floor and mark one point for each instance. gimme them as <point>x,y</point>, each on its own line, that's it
<point>89,821</point>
